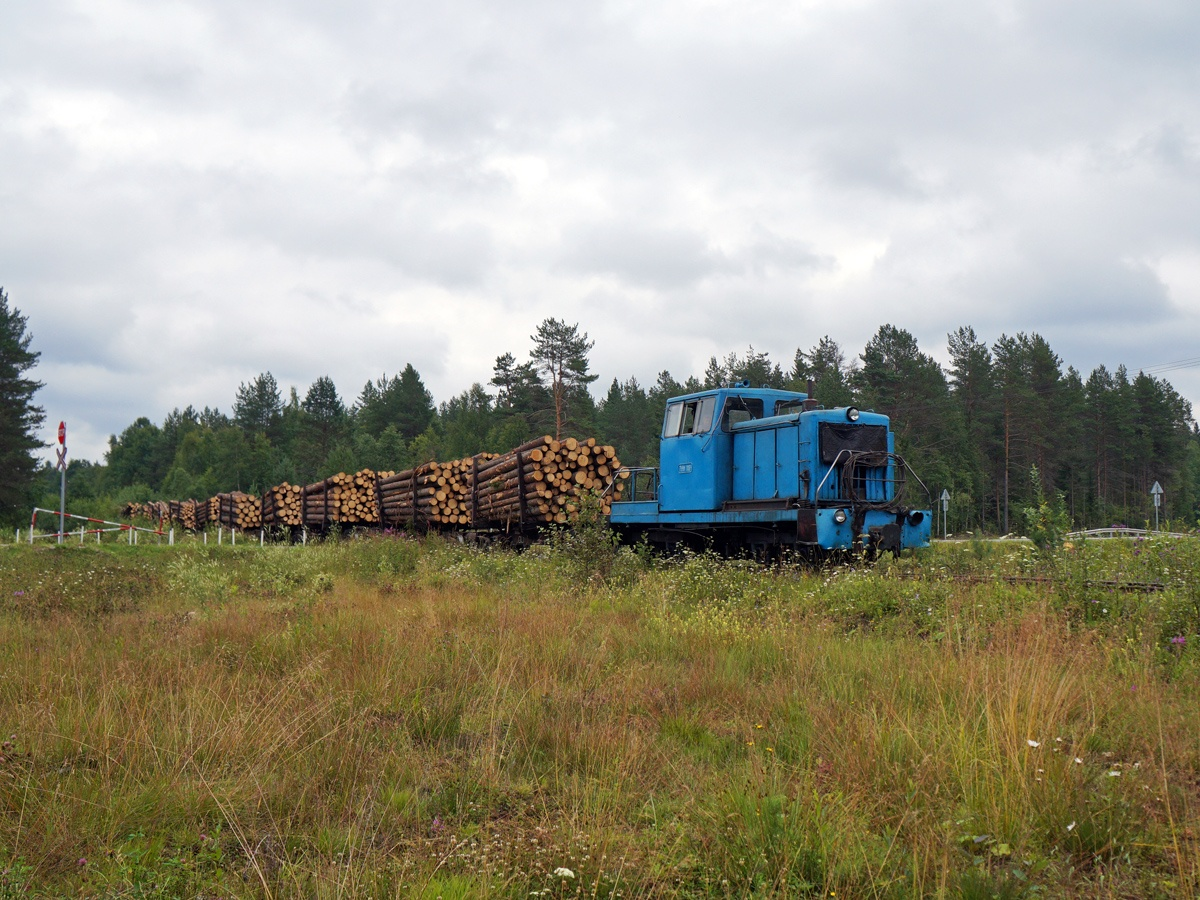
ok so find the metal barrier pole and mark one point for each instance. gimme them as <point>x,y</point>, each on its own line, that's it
<point>171,543</point>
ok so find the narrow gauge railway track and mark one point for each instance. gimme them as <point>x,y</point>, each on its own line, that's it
<point>1133,587</point>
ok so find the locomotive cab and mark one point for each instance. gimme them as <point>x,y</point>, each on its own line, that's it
<point>746,467</point>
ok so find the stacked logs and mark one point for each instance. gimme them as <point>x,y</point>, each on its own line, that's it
<point>156,511</point>
<point>408,497</point>
<point>187,515</point>
<point>237,510</point>
<point>281,505</point>
<point>343,498</point>
<point>542,481</point>
<point>435,493</point>
<point>201,514</point>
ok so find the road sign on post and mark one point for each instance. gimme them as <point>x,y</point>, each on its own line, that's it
<point>945,498</point>
<point>1157,493</point>
<point>62,488</point>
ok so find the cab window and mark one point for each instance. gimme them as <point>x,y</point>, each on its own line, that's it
<point>689,417</point>
<point>788,407</point>
<point>741,409</point>
<point>674,413</point>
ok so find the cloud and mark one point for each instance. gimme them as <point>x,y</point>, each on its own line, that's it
<point>656,258</point>
<point>201,191</point>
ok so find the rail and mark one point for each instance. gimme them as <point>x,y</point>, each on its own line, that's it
<point>1120,531</point>
<point>1113,584</point>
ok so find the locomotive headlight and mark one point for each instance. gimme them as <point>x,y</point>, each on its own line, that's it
<point>852,414</point>
<point>840,516</point>
<point>916,517</point>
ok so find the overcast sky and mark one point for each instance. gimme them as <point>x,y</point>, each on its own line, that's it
<point>196,191</point>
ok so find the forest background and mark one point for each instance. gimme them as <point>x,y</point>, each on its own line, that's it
<point>975,428</point>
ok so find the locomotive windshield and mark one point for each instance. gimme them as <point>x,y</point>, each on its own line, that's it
<point>742,409</point>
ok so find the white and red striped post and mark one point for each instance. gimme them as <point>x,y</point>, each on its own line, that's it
<point>62,493</point>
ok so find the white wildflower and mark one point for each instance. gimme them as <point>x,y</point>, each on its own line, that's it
<point>563,872</point>
<point>1078,761</point>
<point>1113,773</point>
<point>1033,743</point>
<point>1071,827</point>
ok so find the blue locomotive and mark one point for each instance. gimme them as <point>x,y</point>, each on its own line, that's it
<point>755,470</point>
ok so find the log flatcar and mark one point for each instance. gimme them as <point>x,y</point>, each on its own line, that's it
<point>756,470</point>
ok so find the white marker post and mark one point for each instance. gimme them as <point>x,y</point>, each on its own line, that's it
<point>62,491</point>
<point>945,498</point>
<point>1157,493</point>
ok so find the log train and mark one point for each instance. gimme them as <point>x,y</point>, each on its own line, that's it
<point>741,469</point>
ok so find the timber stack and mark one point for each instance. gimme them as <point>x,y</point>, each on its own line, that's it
<point>200,513</point>
<point>187,515</point>
<point>343,498</point>
<point>408,497</point>
<point>281,505</point>
<point>155,511</point>
<point>435,493</point>
<point>238,510</point>
<point>543,481</point>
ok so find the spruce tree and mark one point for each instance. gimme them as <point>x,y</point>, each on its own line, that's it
<point>19,417</point>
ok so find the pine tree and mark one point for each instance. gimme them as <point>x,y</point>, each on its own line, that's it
<point>560,353</point>
<point>19,417</point>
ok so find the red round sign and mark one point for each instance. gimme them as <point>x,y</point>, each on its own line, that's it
<point>62,432</point>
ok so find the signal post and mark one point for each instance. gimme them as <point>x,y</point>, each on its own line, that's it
<point>62,491</point>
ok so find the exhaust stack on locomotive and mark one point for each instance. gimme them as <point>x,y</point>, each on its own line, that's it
<point>758,469</point>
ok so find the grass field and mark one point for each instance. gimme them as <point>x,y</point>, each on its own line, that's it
<point>396,718</point>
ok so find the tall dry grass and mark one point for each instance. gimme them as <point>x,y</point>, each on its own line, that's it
<point>394,719</point>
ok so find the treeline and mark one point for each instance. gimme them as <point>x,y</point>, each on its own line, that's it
<point>975,428</point>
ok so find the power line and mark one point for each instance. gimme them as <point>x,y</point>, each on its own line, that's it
<point>1172,366</point>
